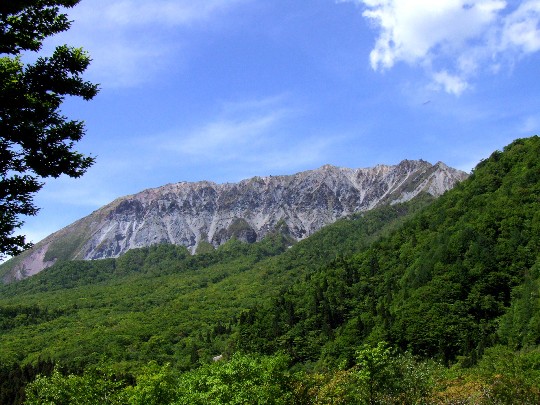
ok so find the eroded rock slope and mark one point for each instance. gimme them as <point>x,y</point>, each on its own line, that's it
<point>204,212</point>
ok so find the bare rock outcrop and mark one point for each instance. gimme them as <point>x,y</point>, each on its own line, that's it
<point>188,213</point>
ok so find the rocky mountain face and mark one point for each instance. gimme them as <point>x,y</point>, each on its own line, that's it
<point>203,213</point>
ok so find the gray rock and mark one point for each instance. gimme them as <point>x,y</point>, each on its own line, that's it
<point>188,213</point>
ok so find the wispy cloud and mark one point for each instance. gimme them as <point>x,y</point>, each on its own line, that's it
<point>227,138</point>
<point>253,133</point>
<point>238,126</point>
<point>452,40</point>
<point>237,129</point>
<point>131,41</point>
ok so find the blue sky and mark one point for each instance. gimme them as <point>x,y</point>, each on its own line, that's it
<point>224,90</point>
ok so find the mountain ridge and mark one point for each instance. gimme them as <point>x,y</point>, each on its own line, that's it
<point>195,213</point>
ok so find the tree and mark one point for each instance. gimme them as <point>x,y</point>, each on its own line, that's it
<point>36,140</point>
<point>95,386</point>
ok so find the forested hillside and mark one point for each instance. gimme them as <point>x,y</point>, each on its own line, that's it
<point>424,302</point>
<point>161,303</point>
<point>457,278</point>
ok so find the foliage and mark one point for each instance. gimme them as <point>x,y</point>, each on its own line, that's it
<point>36,140</point>
<point>157,303</point>
<point>520,325</point>
<point>241,380</point>
<point>155,385</point>
<point>14,379</point>
<point>511,377</point>
<point>161,303</point>
<point>452,286</point>
<point>21,315</point>
<point>381,375</point>
<point>93,387</point>
<point>437,286</point>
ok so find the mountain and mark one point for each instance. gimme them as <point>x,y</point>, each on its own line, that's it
<point>452,281</point>
<point>205,214</point>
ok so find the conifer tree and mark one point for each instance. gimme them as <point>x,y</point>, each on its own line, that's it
<point>36,140</point>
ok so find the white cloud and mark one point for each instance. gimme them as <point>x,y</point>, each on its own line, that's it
<point>452,40</point>
<point>450,83</point>
<point>521,29</point>
<point>412,29</point>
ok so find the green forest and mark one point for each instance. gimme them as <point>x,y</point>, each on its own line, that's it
<point>433,301</point>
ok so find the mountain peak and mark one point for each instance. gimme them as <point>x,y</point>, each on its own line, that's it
<point>187,213</point>
<point>328,166</point>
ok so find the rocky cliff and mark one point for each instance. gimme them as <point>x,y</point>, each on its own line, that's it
<point>192,214</point>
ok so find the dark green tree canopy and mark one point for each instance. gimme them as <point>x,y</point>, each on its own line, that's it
<point>36,140</point>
